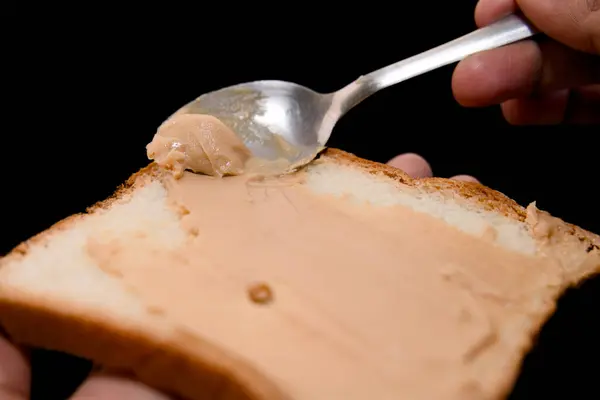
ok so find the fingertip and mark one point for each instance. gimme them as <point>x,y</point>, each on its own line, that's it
<point>479,80</point>
<point>465,178</point>
<point>584,105</point>
<point>466,89</point>
<point>547,109</point>
<point>102,386</point>
<point>493,76</point>
<point>413,164</point>
<point>15,374</point>
<point>513,112</point>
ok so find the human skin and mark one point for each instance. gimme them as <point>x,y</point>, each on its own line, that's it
<point>550,79</point>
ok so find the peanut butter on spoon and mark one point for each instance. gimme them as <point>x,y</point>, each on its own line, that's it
<point>199,143</point>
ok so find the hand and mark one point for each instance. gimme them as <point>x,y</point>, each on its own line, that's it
<point>417,167</point>
<point>15,375</point>
<point>547,80</point>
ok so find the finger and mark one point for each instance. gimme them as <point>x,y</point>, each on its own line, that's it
<point>575,23</point>
<point>488,11</point>
<point>465,178</point>
<point>15,374</point>
<point>584,105</point>
<point>548,109</point>
<point>494,76</point>
<point>577,106</point>
<point>413,164</point>
<point>521,70</point>
<point>104,387</point>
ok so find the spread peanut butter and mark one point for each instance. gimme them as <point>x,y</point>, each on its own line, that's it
<point>199,143</point>
<point>371,302</point>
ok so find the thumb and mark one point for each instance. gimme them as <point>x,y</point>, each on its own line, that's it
<point>575,23</point>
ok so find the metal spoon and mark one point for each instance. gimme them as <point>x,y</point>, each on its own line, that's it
<point>264,112</point>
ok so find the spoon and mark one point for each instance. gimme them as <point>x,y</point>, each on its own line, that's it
<point>262,113</point>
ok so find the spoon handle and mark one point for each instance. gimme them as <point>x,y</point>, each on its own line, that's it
<point>507,30</point>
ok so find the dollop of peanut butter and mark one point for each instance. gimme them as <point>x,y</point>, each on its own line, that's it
<point>198,143</point>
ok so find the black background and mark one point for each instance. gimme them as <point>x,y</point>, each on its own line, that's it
<point>85,88</point>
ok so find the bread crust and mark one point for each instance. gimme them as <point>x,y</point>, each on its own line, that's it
<point>472,192</point>
<point>172,370</point>
<point>163,365</point>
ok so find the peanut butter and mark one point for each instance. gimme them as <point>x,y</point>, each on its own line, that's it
<point>372,302</point>
<point>198,143</point>
<point>203,144</point>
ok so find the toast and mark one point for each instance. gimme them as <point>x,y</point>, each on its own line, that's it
<point>451,318</point>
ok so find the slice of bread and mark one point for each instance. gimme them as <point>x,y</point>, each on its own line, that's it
<point>54,295</point>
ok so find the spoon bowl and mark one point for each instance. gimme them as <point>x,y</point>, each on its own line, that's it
<point>264,112</point>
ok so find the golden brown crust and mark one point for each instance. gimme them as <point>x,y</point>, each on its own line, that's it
<point>143,175</point>
<point>163,365</point>
<point>146,174</point>
<point>486,198</point>
<point>172,369</point>
<point>475,193</point>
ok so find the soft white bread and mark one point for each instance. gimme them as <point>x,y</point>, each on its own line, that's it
<point>53,295</point>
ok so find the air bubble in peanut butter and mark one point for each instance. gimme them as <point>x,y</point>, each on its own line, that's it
<point>260,293</point>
